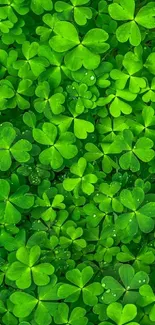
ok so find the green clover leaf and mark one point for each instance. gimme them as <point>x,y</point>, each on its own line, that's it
<point>122,314</point>
<point>62,148</point>
<point>47,102</point>
<point>125,10</point>
<point>129,290</point>
<point>21,270</point>
<point>106,197</point>
<point>9,214</point>
<point>81,14</point>
<point>129,160</point>
<point>84,181</point>
<point>48,210</point>
<point>139,217</point>
<point>67,38</point>
<point>77,316</point>
<point>79,279</point>
<point>74,235</point>
<point>24,303</point>
<point>19,150</point>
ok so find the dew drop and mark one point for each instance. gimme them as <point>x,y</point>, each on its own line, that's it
<point>139,281</point>
<point>103,285</point>
<point>94,215</point>
<point>86,73</point>
<point>143,280</point>
<point>114,294</point>
<point>128,287</point>
<point>114,235</point>
<point>130,220</point>
<point>92,78</point>
<point>108,291</point>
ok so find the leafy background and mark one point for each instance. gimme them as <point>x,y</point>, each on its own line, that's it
<point>77,162</point>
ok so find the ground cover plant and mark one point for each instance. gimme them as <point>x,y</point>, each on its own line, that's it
<point>77,162</point>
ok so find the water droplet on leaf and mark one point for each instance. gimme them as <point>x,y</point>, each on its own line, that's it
<point>108,291</point>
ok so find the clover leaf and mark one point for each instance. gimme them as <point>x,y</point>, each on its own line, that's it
<point>39,7</point>
<point>129,160</point>
<point>122,314</point>
<point>88,53</point>
<point>32,65</point>
<point>79,279</point>
<point>83,180</point>
<point>20,271</point>
<point>81,14</point>
<point>125,10</point>
<point>19,150</point>
<point>121,77</point>
<point>6,92</point>
<point>48,210</point>
<point>118,105</point>
<point>131,282</point>
<point>24,303</point>
<point>9,213</point>
<point>62,148</point>
<point>141,216</point>
<point>74,235</point>
<point>45,101</point>
<point>77,315</point>
<point>107,201</point>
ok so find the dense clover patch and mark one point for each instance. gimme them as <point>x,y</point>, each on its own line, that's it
<point>77,162</point>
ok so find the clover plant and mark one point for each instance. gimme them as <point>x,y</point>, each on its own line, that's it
<point>77,162</point>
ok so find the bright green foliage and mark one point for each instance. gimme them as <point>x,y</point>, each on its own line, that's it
<point>79,279</point>
<point>21,270</point>
<point>84,179</point>
<point>77,162</point>
<point>58,149</point>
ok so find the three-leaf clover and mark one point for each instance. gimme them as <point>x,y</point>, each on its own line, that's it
<point>45,101</point>
<point>77,316</point>
<point>82,127</point>
<point>73,237</point>
<point>71,292</point>
<point>81,13</point>
<point>8,203</point>
<point>122,315</point>
<point>129,290</point>
<point>27,264</point>
<point>18,150</point>
<point>84,53</point>
<point>117,105</point>
<point>32,66</point>
<point>142,150</point>
<point>133,64</point>
<point>125,10</point>
<point>42,306</point>
<point>58,149</point>
<point>106,197</point>
<point>141,216</point>
<point>46,209</point>
<point>84,180</point>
